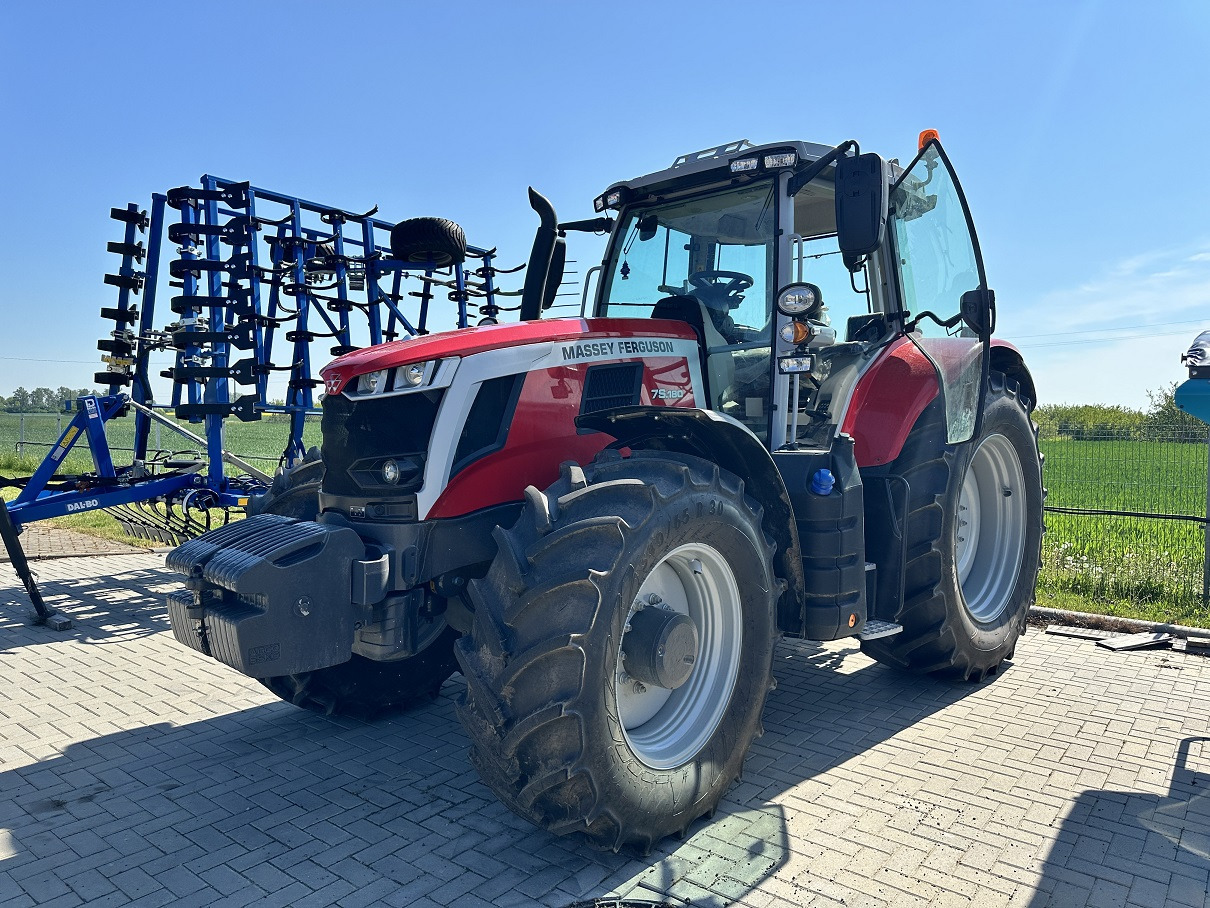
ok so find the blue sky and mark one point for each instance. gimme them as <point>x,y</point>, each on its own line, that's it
<point>1078,130</point>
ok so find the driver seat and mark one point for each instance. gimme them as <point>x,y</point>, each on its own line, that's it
<point>717,368</point>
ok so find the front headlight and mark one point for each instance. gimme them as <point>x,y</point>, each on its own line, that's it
<point>412,376</point>
<point>799,300</point>
<point>371,382</point>
<point>390,472</point>
<point>421,376</point>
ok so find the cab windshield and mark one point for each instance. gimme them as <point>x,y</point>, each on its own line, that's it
<point>718,248</point>
<point>708,261</point>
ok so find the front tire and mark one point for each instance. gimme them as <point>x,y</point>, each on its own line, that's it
<point>359,687</point>
<point>561,727</point>
<point>973,538</point>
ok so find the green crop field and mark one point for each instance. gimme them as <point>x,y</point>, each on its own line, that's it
<point>1131,566</point>
<point>261,442</point>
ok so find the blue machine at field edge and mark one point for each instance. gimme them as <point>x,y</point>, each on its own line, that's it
<point>253,265</point>
<point>1193,395</point>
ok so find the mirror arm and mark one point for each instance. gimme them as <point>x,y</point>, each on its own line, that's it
<point>943,322</point>
<point>595,225</point>
<point>802,178</point>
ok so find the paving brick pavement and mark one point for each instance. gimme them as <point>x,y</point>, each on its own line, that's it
<point>41,540</point>
<point>136,772</point>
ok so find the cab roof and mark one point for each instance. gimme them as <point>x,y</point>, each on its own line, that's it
<point>704,166</point>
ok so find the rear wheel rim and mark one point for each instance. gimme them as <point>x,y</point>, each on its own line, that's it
<point>989,542</point>
<point>668,728</point>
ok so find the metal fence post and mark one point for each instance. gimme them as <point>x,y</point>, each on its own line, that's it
<point>21,436</point>
<point>1206,536</point>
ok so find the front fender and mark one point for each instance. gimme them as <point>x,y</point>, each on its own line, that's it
<point>731,445</point>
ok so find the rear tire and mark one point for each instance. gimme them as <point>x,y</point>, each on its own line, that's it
<point>360,687</point>
<point>973,538</point>
<point>559,729</point>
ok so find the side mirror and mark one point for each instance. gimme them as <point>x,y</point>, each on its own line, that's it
<point>861,206</point>
<point>978,309</point>
<point>558,263</point>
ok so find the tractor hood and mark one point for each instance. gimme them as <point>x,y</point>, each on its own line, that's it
<point>469,341</point>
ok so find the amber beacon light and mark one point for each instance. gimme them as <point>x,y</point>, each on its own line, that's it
<point>927,136</point>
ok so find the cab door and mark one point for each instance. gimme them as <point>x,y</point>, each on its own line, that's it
<point>943,286</point>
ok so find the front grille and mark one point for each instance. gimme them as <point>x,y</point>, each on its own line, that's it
<point>358,436</point>
<point>608,386</point>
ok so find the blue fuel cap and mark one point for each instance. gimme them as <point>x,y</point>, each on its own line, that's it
<point>822,482</point>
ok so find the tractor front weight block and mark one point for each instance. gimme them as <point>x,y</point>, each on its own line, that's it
<point>269,595</point>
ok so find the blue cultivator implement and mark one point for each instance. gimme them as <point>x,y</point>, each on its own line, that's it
<point>259,279</point>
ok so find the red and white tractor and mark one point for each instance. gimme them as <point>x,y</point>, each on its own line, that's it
<point>786,414</point>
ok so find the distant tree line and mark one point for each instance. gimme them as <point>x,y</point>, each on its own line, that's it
<point>39,400</point>
<point>1161,421</point>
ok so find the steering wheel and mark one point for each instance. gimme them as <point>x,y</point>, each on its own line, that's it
<point>720,292</point>
<point>716,294</point>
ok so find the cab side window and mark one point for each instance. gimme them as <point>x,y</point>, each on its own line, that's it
<point>817,259</point>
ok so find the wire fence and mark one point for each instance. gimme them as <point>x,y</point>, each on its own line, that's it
<point>1126,513</point>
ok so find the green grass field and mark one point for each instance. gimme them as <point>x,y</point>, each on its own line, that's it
<point>1128,566</point>
<point>1132,566</point>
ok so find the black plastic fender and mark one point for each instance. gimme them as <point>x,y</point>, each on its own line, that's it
<point>731,445</point>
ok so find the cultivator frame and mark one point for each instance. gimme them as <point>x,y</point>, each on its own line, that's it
<point>258,274</point>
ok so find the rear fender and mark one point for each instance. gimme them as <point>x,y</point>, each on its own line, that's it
<point>728,443</point>
<point>893,392</point>
<point>1007,359</point>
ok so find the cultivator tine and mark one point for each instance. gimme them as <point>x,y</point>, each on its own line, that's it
<point>336,216</point>
<point>238,267</point>
<point>236,232</point>
<point>134,250</point>
<point>131,215</point>
<point>236,302</point>
<point>241,335</point>
<point>132,282</point>
<point>121,316</point>
<point>234,195</point>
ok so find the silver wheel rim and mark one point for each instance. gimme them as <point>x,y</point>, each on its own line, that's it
<point>990,532</point>
<point>668,728</point>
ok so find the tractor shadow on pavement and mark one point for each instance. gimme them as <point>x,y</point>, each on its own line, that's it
<point>283,803</point>
<point>831,705</point>
<point>1148,849</point>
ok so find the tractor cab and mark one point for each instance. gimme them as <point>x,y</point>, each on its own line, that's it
<point>791,289</point>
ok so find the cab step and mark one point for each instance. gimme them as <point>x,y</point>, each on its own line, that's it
<point>874,629</point>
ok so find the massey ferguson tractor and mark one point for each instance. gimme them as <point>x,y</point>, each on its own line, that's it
<point>783,413</point>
